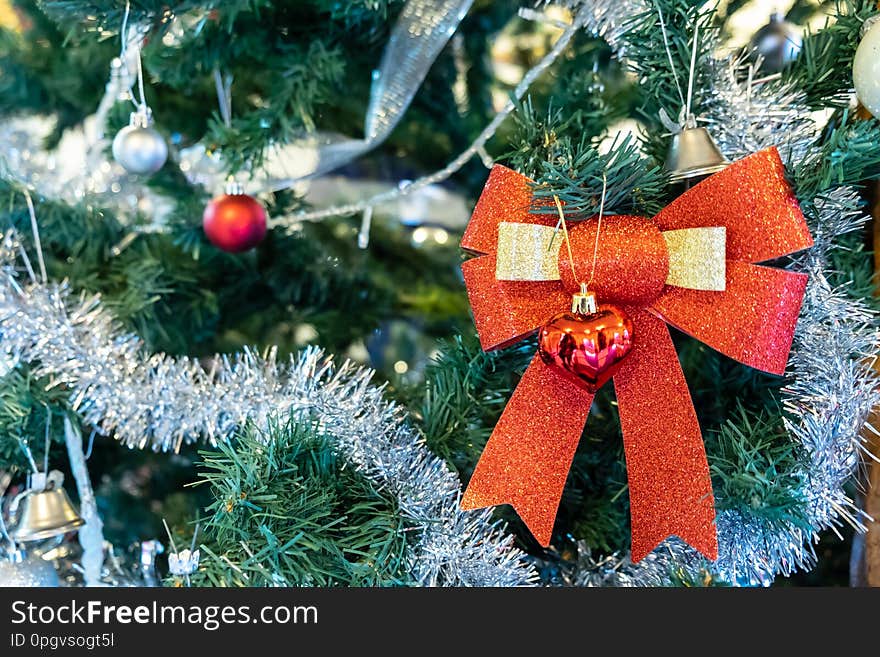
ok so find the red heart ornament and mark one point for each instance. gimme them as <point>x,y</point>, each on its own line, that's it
<point>588,348</point>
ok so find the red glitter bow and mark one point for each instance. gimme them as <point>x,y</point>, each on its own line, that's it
<point>528,456</point>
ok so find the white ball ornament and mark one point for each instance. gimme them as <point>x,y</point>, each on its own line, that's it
<point>866,67</point>
<point>138,147</point>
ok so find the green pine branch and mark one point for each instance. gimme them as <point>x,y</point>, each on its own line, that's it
<point>25,403</point>
<point>663,85</point>
<point>287,510</point>
<point>756,469</point>
<point>848,155</point>
<point>823,69</point>
<point>580,171</point>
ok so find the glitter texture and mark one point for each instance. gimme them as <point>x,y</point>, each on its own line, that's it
<point>506,311</point>
<point>526,461</point>
<point>670,491</point>
<point>753,201</point>
<point>753,320</point>
<point>631,264</point>
<point>697,258</point>
<point>832,386</point>
<point>506,197</point>
<point>527,252</point>
<point>532,252</point>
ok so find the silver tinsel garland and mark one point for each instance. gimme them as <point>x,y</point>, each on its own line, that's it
<point>832,387</point>
<point>153,400</point>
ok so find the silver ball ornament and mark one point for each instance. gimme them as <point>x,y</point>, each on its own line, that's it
<point>778,43</point>
<point>866,67</point>
<point>21,570</point>
<point>139,148</point>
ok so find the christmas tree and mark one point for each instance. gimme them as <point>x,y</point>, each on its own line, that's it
<point>242,344</point>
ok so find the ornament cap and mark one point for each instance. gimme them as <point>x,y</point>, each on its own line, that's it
<point>142,118</point>
<point>233,187</point>
<point>584,302</point>
<point>16,556</point>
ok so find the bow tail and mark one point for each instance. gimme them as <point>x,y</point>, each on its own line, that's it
<point>670,490</point>
<point>526,461</point>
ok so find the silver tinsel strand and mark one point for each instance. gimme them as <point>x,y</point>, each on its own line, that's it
<point>153,400</point>
<point>605,18</point>
<point>832,388</point>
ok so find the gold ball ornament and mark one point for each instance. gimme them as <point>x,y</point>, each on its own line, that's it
<point>866,67</point>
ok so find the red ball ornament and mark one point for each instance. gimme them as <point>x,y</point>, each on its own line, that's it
<point>234,222</point>
<point>588,344</point>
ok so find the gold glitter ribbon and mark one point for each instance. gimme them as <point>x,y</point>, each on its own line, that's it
<point>530,252</point>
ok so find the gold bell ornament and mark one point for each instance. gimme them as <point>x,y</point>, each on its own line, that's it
<point>693,153</point>
<point>46,510</point>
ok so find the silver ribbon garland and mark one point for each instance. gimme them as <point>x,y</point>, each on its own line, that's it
<point>91,536</point>
<point>420,34</point>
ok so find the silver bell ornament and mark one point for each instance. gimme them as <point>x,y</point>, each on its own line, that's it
<point>46,510</point>
<point>138,147</point>
<point>19,569</point>
<point>778,43</point>
<point>693,153</point>
<point>866,66</point>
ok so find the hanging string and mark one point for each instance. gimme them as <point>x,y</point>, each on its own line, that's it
<point>29,455</point>
<point>123,32</point>
<point>123,56</point>
<point>91,444</point>
<point>562,224</point>
<point>140,81</point>
<point>224,96</point>
<point>48,441</point>
<point>192,547</point>
<point>36,233</point>
<point>170,536</point>
<point>669,54</point>
<point>27,265</point>
<point>564,227</point>
<point>3,532</point>
<point>598,229</point>
<point>685,117</point>
<point>691,75</point>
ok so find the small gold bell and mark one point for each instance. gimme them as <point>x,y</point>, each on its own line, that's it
<point>694,153</point>
<point>46,509</point>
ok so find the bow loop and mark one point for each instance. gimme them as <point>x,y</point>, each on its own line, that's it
<point>753,201</point>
